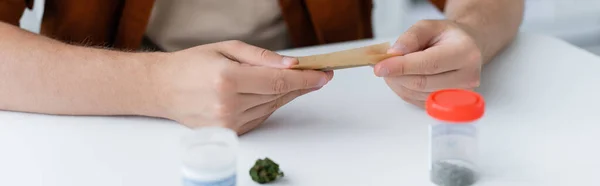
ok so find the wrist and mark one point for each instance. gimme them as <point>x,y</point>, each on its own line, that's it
<point>146,89</point>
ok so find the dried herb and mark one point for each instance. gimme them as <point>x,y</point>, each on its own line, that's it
<point>265,171</point>
<point>449,174</point>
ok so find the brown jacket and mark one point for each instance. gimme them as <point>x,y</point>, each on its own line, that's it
<point>122,23</point>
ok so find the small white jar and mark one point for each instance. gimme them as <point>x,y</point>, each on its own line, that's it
<point>209,157</point>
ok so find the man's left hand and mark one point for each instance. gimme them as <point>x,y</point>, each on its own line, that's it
<point>435,54</point>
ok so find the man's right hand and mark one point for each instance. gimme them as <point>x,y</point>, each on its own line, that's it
<point>229,84</point>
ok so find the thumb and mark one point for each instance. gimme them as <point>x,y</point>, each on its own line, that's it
<point>417,37</point>
<point>245,53</point>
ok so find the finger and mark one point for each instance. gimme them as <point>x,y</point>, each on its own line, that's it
<point>247,127</point>
<point>329,74</point>
<point>261,80</point>
<point>245,53</point>
<point>253,99</point>
<point>464,78</point>
<point>250,100</point>
<point>406,93</point>
<point>434,60</point>
<point>417,103</point>
<point>417,37</point>
<point>267,108</point>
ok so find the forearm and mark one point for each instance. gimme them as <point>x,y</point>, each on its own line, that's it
<point>41,75</point>
<point>493,23</point>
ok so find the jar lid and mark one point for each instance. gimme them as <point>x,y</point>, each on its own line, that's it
<point>455,105</point>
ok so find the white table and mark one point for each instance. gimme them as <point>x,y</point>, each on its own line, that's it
<point>541,128</point>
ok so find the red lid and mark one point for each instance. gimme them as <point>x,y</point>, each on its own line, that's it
<point>455,105</point>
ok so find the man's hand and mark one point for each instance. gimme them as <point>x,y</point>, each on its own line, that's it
<point>229,84</point>
<point>435,55</point>
<point>449,53</point>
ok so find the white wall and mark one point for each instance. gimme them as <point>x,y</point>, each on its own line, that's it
<point>576,21</point>
<point>388,17</point>
<point>31,18</point>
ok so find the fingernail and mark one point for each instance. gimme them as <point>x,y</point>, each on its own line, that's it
<point>322,82</point>
<point>397,48</point>
<point>329,75</point>
<point>289,61</point>
<point>383,71</point>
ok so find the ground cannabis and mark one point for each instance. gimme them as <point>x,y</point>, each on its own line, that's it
<point>265,171</point>
<point>449,174</point>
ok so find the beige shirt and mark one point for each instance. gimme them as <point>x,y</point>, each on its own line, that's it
<point>179,24</point>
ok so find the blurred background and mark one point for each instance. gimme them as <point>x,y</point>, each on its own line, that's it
<point>575,21</point>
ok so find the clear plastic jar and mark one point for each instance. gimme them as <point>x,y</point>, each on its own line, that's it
<point>453,136</point>
<point>209,157</point>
